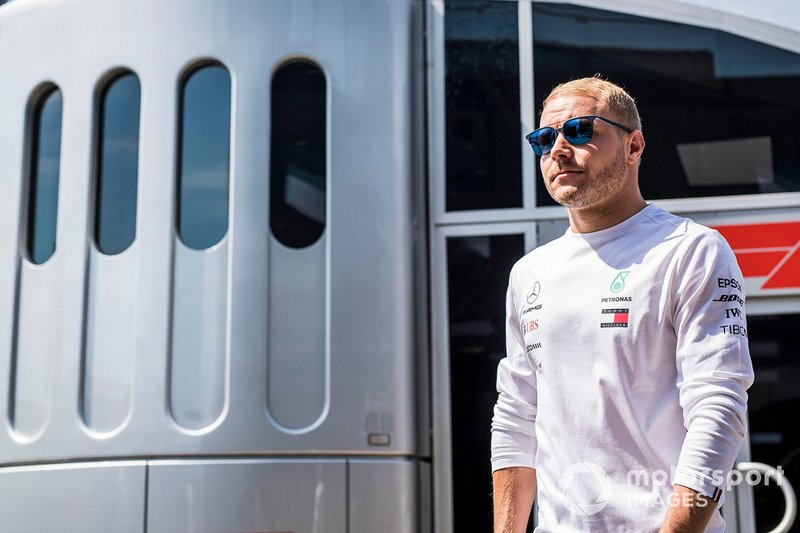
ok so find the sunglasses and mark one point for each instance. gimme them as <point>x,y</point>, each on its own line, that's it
<point>576,131</point>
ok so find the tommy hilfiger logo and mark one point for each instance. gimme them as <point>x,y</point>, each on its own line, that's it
<point>615,318</point>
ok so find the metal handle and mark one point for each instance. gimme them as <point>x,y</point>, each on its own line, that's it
<point>788,492</point>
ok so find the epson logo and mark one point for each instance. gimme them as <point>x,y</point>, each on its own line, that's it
<point>724,283</point>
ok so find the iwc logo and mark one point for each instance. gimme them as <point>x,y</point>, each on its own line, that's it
<point>618,282</point>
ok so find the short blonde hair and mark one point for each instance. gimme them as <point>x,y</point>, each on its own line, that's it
<point>618,101</point>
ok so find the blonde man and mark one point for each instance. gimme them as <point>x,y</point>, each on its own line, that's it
<point>622,396</point>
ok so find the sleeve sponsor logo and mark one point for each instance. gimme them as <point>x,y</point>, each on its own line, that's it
<point>733,313</point>
<point>616,318</point>
<point>724,283</point>
<point>734,329</point>
<point>534,346</point>
<point>730,298</point>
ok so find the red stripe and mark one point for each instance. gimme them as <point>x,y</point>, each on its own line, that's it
<point>787,276</point>
<point>771,235</point>
<point>621,317</point>
<point>756,264</point>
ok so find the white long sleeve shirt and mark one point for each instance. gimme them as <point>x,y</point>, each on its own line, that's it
<point>626,372</point>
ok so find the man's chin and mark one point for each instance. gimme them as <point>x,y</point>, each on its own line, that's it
<point>566,196</point>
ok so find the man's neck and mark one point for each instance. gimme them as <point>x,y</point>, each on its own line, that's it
<point>596,218</point>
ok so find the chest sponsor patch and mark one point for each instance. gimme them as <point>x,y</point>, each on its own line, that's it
<point>530,309</point>
<point>530,326</point>
<point>533,293</point>
<point>614,318</point>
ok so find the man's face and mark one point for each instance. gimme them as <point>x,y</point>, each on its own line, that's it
<point>590,174</point>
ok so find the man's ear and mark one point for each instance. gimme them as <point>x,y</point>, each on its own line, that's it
<point>635,147</point>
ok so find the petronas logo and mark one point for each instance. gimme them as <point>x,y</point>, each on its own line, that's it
<point>619,282</point>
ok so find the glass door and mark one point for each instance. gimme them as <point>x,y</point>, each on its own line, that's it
<point>774,409</point>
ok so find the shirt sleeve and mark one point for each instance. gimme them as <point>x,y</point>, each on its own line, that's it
<point>713,363</point>
<point>513,433</point>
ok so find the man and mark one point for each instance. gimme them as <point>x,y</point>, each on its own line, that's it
<point>622,396</point>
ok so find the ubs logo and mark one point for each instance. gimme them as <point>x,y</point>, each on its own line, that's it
<point>533,293</point>
<point>531,326</point>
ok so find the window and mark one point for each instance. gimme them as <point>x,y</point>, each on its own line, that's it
<point>773,405</point>
<point>477,272</point>
<point>719,111</point>
<point>117,161</point>
<point>204,160</point>
<point>44,173</point>
<point>482,108</point>
<point>298,154</point>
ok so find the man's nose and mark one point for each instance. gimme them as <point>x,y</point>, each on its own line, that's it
<point>561,148</point>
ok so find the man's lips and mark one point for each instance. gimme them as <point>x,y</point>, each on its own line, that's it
<point>566,173</point>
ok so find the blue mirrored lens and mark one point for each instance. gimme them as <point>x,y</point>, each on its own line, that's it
<point>542,140</point>
<point>578,131</point>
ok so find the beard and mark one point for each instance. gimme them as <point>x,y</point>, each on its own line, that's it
<point>597,185</point>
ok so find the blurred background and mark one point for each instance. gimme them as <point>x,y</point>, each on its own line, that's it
<point>254,255</point>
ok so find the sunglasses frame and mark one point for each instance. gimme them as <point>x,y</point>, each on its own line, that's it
<point>541,149</point>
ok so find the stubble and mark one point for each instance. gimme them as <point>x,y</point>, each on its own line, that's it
<point>606,182</point>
